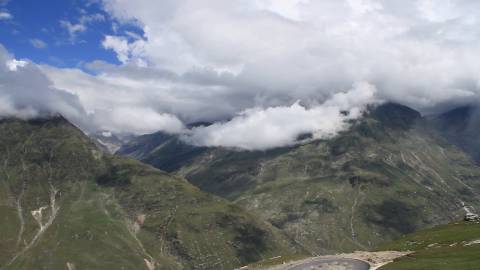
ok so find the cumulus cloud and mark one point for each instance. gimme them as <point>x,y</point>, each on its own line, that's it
<point>420,52</point>
<point>125,49</point>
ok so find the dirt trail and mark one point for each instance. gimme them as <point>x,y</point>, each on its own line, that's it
<point>18,202</point>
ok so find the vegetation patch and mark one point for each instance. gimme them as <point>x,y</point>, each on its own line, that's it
<point>445,247</point>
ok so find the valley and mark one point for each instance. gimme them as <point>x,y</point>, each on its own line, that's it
<point>65,203</point>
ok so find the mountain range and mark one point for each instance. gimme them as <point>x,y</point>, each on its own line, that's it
<point>65,203</point>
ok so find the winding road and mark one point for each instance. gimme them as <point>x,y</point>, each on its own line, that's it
<point>332,264</point>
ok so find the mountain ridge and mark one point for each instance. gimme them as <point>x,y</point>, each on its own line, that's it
<point>66,204</point>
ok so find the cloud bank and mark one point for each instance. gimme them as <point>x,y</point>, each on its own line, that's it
<point>260,66</point>
<point>259,128</point>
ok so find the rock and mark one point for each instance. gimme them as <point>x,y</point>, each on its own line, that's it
<point>472,217</point>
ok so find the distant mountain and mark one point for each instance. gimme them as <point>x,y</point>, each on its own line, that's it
<point>389,174</point>
<point>461,126</point>
<point>64,204</point>
<point>163,150</point>
<point>110,142</point>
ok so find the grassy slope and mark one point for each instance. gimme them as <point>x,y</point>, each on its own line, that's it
<point>110,212</point>
<point>442,248</point>
<point>385,177</point>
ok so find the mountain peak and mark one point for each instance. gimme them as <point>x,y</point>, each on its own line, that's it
<point>394,115</point>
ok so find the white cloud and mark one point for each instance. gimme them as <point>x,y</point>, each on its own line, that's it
<point>192,97</point>
<point>73,29</point>
<point>38,43</point>
<point>125,50</point>
<point>248,61</point>
<point>227,58</point>
<point>14,64</point>
<point>5,15</point>
<point>137,119</point>
<point>26,92</point>
<point>307,49</point>
<point>119,106</point>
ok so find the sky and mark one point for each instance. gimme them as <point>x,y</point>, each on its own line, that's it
<point>263,71</point>
<point>61,33</point>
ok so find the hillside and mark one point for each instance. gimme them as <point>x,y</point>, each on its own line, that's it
<point>451,246</point>
<point>65,205</point>
<point>389,175</point>
<point>461,127</point>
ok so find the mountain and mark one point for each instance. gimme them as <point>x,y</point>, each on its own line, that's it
<point>64,204</point>
<point>461,126</point>
<point>162,150</point>
<point>110,142</point>
<point>388,175</point>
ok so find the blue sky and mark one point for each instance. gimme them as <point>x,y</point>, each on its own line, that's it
<point>39,30</point>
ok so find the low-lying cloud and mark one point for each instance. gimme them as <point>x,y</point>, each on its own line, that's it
<point>272,127</point>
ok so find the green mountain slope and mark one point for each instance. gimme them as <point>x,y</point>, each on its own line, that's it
<point>65,205</point>
<point>390,174</point>
<point>446,247</point>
